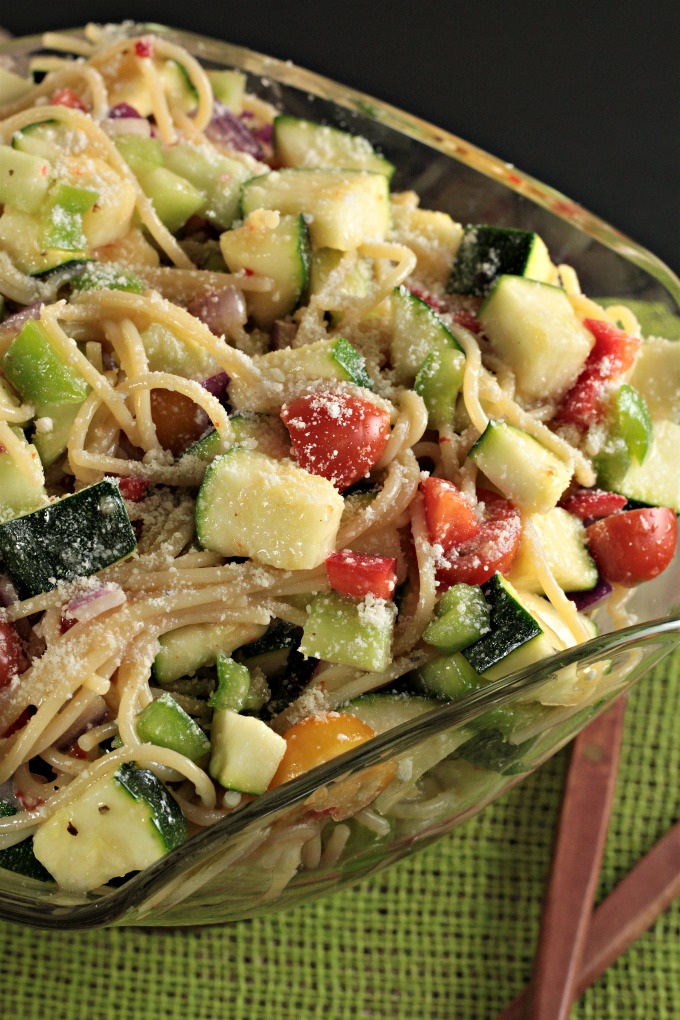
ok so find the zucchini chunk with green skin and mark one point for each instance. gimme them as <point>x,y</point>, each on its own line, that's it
<point>165,723</point>
<point>122,823</point>
<point>438,383</point>
<point>461,616</point>
<point>228,88</point>
<point>20,237</point>
<point>173,197</point>
<point>345,208</point>
<point>533,328</point>
<point>448,677</point>
<point>305,143</point>
<point>187,649</point>
<point>512,626</point>
<point>217,177</point>
<point>75,536</point>
<point>38,373</point>
<point>527,473</point>
<point>18,494</point>
<point>253,429</point>
<point>252,505</point>
<point>349,631</point>
<point>24,179</point>
<point>563,540</point>
<point>20,858</point>
<point>245,752</point>
<point>383,711</point>
<point>276,247</point>
<point>655,481</point>
<point>351,283</point>
<point>417,331</point>
<point>287,373</point>
<point>487,252</point>
<point>656,377</point>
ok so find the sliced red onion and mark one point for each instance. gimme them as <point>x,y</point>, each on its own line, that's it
<point>8,593</point>
<point>14,323</point>
<point>216,384</point>
<point>223,311</point>
<point>124,110</point>
<point>265,134</point>
<point>87,605</point>
<point>585,599</point>
<point>226,128</point>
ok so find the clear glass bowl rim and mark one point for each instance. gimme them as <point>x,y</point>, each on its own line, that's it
<point>112,907</point>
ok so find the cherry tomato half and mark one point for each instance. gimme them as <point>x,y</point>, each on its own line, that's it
<point>451,520</point>
<point>339,436</point>
<point>494,548</point>
<point>634,546</point>
<point>590,504</point>
<point>361,574</point>
<point>12,657</point>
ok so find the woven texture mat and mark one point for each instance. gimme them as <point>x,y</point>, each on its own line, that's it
<point>446,935</point>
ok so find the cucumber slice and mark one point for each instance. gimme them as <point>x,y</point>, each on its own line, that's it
<point>122,823</point>
<point>245,752</point>
<point>655,481</point>
<point>24,179</point>
<point>656,377</point>
<point>279,252</point>
<point>75,536</point>
<point>533,328</point>
<point>488,252</point>
<point>18,494</point>
<point>165,723</point>
<point>417,331</point>
<point>304,143</point>
<point>563,540</point>
<point>252,505</point>
<point>528,474</point>
<point>512,626</point>
<point>286,373</point>
<point>188,649</point>
<point>343,208</point>
<point>345,630</point>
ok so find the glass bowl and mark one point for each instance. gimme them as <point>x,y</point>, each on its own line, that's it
<point>302,839</point>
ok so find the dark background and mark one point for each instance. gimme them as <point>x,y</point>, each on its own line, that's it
<point>583,95</point>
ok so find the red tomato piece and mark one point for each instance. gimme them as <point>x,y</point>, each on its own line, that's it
<point>583,403</point>
<point>634,546</point>
<point>134,489</point>
<point>467,319</point>
<point>12,656</point>
<point>451,520</point>
<point>67,97</point>
<point>360,574</point>
<point>339,436</point>
<point>590,504</point>
<point>614,351</point>
<point>492,551</point>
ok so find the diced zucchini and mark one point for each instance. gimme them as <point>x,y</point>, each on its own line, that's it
<point>75,536</point>
<point>141,154</point>
<point>18,494</point>
<point>122,823</point>
<point>383,711</point>
<point>228,87</point>
<point>279,251</point>
<point>165,723</point>
<point>533,328</point>
<point>217,177</point>
<point>12,86</point>
<point>349,631</point>
<point>352,285</point>
<point>512,627</point>
<point>255,430</point>
<point>343,208</point>
<point>167,352</point>
<point>20,858</point>
<point>233,685</point>
<point>461,616</point>
<point>563,541</point>
<point>24,179</point>
<point>189,648</point>
<point>284,373</point>
<point>432,236</point>
<point>179,88</point>
<point>656,377</point>
<point>252,505</point>
<point>656,480</point>
<point>44,139</point>
<point>527,473</point>
<point>487,252</point>
<point>304,143</point>
<point>490,750</point>
<point>628,418</point>
<point>38,373</point>
<point>21,238</point>
<point>417,331</point>
<point>173,197</point>
<point>449,677</point>
<point>245,752</point>
<point>438,382</point>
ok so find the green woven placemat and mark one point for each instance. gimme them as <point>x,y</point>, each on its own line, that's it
<point>446,935</point>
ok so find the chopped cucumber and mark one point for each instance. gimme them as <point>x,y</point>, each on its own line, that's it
<point>252,505</point>
<point>655,481</point>
<point>245,752</point>
<point>24,179</point>
<point>189,648</point>
<point>417,331</point>
<point>512,626</point>
<point>285,373</point>
<point>165,723</point>
<point>343,208</point>
<point>438,383</point>
<point>304,143</point>
<point>656,377</point>
<point>122,823</point>
<point>75,536</point>
<point>563,541</point>
<point>20,858</point>
<point>533,328</point>
<point>461,616</point>
<point>349,631</point>
<point>487,252</point>
<point>18,494</point>
<point>527,473</point>
<point>279,251</point>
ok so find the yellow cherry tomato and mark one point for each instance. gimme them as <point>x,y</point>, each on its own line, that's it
<point>318,739</point>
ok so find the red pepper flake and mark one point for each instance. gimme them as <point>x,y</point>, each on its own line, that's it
<point>134,489</point>
<point>67,97</point>
<point>27,802</point>
<point>144,48</point>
